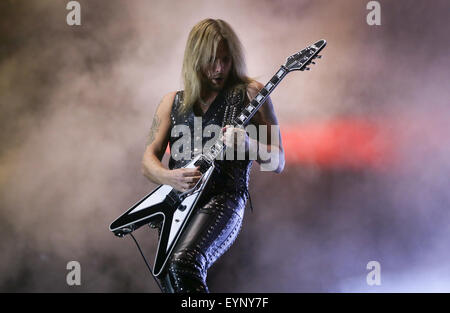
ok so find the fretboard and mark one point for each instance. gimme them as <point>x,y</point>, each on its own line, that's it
<point>254,105</point>
<point>247,113</point>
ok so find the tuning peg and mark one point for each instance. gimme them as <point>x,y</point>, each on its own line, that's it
<point>307,68</point>
<point>312,62</point>
<point>318,56</point>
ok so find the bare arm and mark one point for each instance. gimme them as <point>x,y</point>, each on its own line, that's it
<point>268,152</point>
<point>181,179</point>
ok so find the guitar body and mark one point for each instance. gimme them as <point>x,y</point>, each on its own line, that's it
<point>172,206</point>
<point>175,207</point>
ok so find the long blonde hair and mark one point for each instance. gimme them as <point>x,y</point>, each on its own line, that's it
<point>201,49</point>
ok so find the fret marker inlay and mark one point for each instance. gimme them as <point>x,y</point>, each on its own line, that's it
<point>280,73</point>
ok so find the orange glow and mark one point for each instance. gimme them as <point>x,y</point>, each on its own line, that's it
<point>349,143</point>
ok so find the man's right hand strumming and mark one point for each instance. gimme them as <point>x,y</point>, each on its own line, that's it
<point>183,179</point>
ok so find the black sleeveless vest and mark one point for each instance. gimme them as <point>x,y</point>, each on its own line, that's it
<point>230,175</point>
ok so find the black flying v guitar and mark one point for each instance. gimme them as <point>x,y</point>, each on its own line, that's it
<point>175,206</point>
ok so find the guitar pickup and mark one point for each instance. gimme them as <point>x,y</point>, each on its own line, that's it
<point>203,164</point>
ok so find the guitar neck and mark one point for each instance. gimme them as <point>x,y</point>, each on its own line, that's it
<point>250,110</point>
<point>254,105</point>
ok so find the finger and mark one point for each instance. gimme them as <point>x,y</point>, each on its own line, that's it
<point>192,174</point>
<point>182,189</point>
<point>192,171</point>
<point>191,185</point>
<point>228,134</point>
<point>193,179</point>
<point>227,129</point>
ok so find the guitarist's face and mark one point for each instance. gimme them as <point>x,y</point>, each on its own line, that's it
<point>216,73</point>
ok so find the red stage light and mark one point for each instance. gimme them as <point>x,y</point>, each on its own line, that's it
<point>352,143</point>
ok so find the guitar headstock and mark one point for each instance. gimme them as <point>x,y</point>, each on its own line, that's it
<point>301,60</point>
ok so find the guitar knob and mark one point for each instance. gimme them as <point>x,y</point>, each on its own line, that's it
<point>307,68</point>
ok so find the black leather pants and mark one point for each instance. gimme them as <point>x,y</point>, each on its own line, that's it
<point>211,230</point>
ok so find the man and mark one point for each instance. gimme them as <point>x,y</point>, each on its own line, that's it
<point>216,88</point>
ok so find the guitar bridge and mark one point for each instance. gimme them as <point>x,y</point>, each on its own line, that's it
<point>173,199</point>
